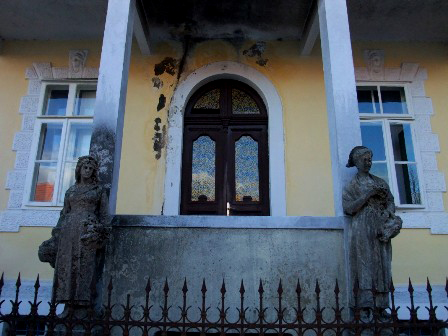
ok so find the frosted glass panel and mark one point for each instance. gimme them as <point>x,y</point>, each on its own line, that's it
<point>85,102</point>
<point>210,100</point>
<point>79,141</point>
<point>242,103</point>
<point>203,169</point>
<point>246,170</point>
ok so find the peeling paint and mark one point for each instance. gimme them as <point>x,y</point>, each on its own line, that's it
<point>168,65</point>
<point>159,138</point>
<point>257,50</point>
<point>162,102</point>
<point>157,82</point>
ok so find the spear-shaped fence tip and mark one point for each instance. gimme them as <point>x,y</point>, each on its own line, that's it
<point>242,290</point>
<point>410,287</point>
<point>298,288</point>
<point>428,285</point>
<point>18,282</point>
<point>280,288</point>
<point>223,287</point>
<point>3,274</point>
<point>204,287</point>
<point>148,285</point>
<point>166,289</point>
<point>317,289</point>
<point>184,287</point>
<point>110,286</point>
<point>336,287</point>
<point>391,287</point>
<point>260,288</point>
<point>37,284</point>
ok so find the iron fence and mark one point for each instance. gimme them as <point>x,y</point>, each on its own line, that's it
<point>129,319</point>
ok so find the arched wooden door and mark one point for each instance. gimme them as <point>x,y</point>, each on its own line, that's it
<point>225,152</point>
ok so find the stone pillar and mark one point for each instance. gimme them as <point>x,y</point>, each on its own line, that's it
<point>111,93</point>
<point>340,89</point>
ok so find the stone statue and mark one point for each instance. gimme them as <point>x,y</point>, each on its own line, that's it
<point>367,198</point>
<point>82,229</point>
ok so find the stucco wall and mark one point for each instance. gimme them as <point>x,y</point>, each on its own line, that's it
<point>299,82</point>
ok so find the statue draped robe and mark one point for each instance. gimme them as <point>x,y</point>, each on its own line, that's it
<point>75,259</point>
<point>370,258</point>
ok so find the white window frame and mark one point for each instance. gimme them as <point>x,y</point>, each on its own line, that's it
<point>386,119</point>
<point>66,120</point>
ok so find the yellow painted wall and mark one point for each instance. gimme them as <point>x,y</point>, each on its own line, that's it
<point>18,253</point>
<point>299,82</point>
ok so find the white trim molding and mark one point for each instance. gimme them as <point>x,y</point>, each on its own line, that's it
<point>16,215</point>
<point>267,91</point>
<point>433,216</point>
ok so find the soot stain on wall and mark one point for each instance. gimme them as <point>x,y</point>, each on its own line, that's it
<point>162,102</point>
<point>256,51</point>
<point>168,65</point>
<point>159,138</point>
<point>157,82</point>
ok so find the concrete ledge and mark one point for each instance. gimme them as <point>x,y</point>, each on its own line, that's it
<point>246,222</point>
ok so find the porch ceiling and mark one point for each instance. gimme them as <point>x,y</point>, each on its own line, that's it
<point>386,20</point>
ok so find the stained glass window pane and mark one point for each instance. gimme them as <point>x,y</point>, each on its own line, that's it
<point>203,169</point>
<point>242,103</point>
<point>246,170</point>
<point>209,101</point>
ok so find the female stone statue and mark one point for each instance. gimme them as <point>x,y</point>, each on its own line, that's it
<point>368,200</point>
<point>82,229</point>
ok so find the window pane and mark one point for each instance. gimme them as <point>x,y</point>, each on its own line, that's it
<point>85,102</point>
<point>394,100</point>
<point>68,179</point>
<point>209,101</point>
<point>408,186</point>
<point>368,101</point>
<point>380,169</point>
<point>50,139</point>
<point>402,142</point>
<point>44,179</point>
<point>246,170</point>
<point>57,102</point>
<point>203,170</point>
<point>372,137</point>
<point>78,141</point>
<point>242,103</point>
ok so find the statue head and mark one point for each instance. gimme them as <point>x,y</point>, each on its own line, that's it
<point>361,158</point>
<point>91,163</point>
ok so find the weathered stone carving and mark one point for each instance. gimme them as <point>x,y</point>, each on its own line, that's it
<point>367,198</point>
<point>375,63</point>
<point>82,229</point>
<point>77,61</point>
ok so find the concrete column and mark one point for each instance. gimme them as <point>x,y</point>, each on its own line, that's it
<point>111,93</point>
<point>340,89</point>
